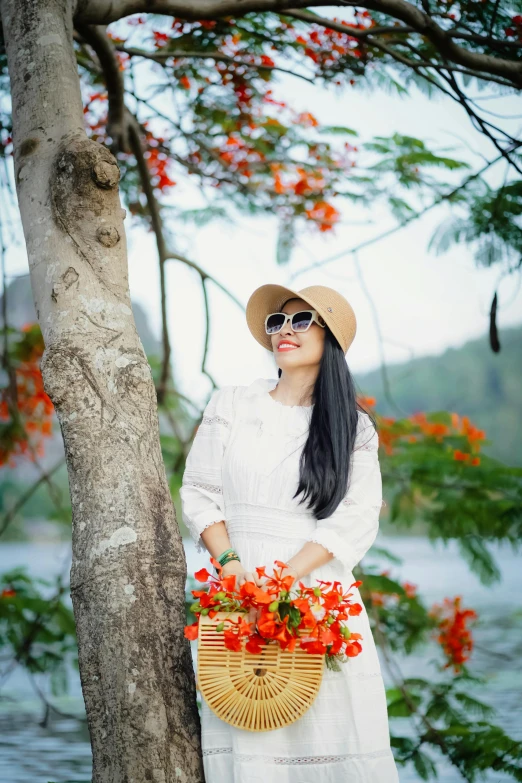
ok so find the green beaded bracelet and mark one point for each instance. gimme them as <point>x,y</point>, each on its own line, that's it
<point>228,558</point>
<point>223,555</point>
<point>233,557</point>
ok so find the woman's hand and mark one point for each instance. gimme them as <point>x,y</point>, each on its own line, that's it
<point>242,575</point>
<point>290,571</point>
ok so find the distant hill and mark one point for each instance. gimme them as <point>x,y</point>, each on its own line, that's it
<point>471,380</point>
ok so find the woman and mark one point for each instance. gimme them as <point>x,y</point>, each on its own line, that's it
<point>288,470</point>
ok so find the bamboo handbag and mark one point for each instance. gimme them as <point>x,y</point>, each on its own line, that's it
<point>255,691</point>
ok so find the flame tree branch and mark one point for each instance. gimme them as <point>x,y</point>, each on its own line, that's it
<point>422,23</point>
<point>157,225</point>
<point>410,219</point>
<point>44,478</point>
<point>161,57</point>
<point>96,37</point>
<point>205,277</point>
<point>398,681</point>
<point>369,37</point>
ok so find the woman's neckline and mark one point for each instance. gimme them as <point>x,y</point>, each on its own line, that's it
<point>282,404</point>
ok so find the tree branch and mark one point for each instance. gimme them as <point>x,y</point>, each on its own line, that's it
<point>104,12</point>
<point>400,226</point>
<point>161,57</point>
<point>22,500</point>
<point>157,225</point>
<point>398,681</point>
<point>96,37</point>
<point>425,25</point>
<point>415,19</point>
<point>205,277</point>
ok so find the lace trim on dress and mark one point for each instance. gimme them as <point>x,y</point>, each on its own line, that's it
<point>367,447</point>
<point>209,487</point>
<point>365,675</point>
<point>352,502</point>
<point>288,760</point>
<point>356,676</point>
<point>200,546</point>
<point>212,419</point>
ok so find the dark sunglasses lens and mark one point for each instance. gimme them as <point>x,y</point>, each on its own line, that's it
<point>274,323</point>
<point>301,321</point>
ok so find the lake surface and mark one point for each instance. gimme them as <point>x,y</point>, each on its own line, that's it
<point>60,751</point>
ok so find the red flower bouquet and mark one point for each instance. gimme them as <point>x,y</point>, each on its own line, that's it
<point>309,616</point>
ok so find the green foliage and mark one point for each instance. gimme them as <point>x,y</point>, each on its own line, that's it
<point>37,632</point>
<point>409,160</point>
<point>490,220</point>
<point>250,152</point>
<point>338,130</point>
<point>475,504</point>
<point>451,721</point>
<point>403,619</point>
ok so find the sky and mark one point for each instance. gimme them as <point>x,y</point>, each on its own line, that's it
<point>409,302</point>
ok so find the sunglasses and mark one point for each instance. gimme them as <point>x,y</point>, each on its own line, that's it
<point>300,321</point>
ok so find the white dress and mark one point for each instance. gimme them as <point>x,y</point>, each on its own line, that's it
<point>243,468</point>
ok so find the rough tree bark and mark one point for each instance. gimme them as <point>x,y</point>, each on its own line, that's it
<point>129,570</point>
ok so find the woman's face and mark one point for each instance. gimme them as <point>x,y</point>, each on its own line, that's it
<point>309,344</point>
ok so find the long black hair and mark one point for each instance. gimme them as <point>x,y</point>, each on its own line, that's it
<point>325,460</point>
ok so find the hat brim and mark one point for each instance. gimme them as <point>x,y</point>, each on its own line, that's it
<point>270,298</point>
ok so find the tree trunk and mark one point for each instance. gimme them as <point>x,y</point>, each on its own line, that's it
<point>129,570</point>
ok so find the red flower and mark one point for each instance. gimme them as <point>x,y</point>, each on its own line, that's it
<point>255,644</point>
<point>453,634</point>
<point>353,649</point>
<point>316,626</point>
<point>232,641</point>
<point>191,631</point>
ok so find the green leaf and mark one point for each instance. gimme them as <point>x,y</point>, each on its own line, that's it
<point>401,707</point>
<point>337,130</point>
<point>332,663</point>
<point>480,560</point>
<point>474,706</point>
<point>382,584</point>
<point>424,766</point>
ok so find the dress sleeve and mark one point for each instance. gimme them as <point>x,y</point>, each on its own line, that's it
<point>350,531</point>
<point>201,491</point>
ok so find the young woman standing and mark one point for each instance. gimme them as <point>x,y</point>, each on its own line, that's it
<point>288,469</point>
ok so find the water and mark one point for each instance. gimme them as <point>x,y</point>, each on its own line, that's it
<point>59,750</point>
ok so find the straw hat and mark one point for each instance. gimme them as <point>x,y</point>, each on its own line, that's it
<point>330,304</point>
